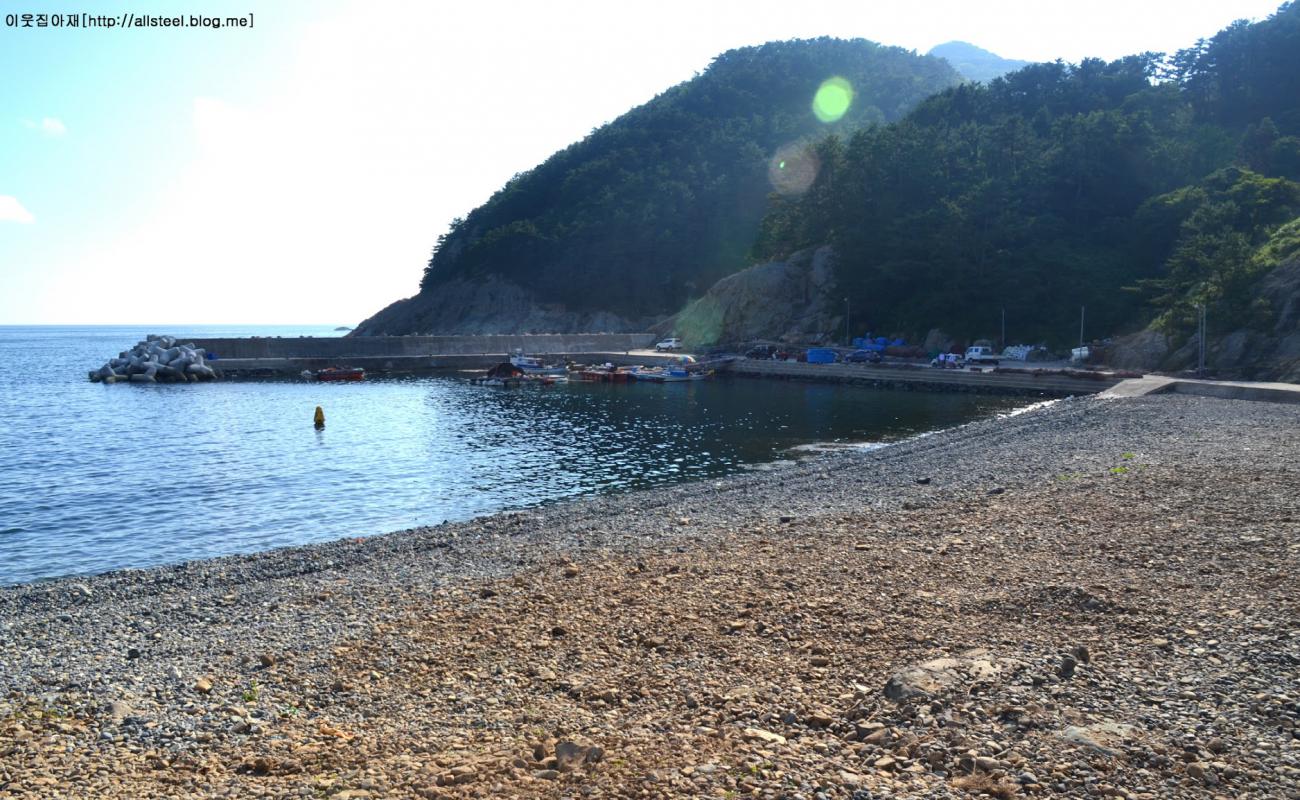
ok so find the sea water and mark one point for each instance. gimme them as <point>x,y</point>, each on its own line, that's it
<point>97,477</point>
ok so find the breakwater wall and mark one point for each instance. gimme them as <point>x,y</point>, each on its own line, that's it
<point>313,347</point>
<point>1044,383</point>
<point>270,357</point>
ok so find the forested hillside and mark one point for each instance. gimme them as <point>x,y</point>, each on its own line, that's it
<point>1139,188</point>
<point>665,200</point>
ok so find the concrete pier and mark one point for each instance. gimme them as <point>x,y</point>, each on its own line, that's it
<point>275,356</point>
<point>1227,390</point>
<point>1047,383</point>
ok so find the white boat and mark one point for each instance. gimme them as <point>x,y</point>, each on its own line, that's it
<point>531,365</point>
<point>656,374</point>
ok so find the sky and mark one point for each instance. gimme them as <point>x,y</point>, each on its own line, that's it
<point>300,171</point>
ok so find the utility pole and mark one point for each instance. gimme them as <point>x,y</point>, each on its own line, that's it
<point>1200,336</point>
<point>1081,310</point>
<point>1004,329</point>
<point>848,338</point>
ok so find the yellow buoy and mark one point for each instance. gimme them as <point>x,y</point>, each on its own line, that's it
<point>320,417</point>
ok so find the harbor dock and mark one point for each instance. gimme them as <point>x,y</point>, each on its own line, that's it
<point>274,356</point>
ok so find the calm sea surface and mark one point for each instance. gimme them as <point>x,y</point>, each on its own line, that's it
<point>96,477</point>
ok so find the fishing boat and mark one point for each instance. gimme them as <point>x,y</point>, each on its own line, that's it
<point>531,365</point>
<point>653,374</point>
<point>502,374</point>
<point>341,374</point>
<point>603,374</point>
<point>675,374</point>
<point>498,382</point>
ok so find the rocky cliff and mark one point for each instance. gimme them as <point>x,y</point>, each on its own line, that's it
<point>1270,353</point>
<point>792,300</point>
<point>492,306</point>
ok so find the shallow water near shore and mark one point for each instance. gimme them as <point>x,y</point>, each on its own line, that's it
<point>94,477</point>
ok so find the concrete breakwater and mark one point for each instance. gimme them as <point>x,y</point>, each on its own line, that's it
<point>422,346</point>
<point>156,358</point>
<point>276,356</point>
<point>405,354</point>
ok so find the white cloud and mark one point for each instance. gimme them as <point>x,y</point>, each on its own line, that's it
<point>50,126</point>
<point>12,211</point>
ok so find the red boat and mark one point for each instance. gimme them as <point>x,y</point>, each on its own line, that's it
<point>341,374</point>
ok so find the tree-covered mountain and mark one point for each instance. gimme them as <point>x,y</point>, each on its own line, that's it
<point>976,63</point>
<point>1142,188</point>
<point>659,204</point>
<point>1139,188</point>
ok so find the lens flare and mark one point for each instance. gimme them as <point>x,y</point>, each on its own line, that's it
<point>833,99</point>
<point>793,168</point>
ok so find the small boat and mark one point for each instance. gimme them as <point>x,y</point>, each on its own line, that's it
<point>502,374</point>
<point>675,374</point>
<point>499,382</point>
<point>653,374</point>
<point>605,374</point>
<point>531,365</point>
<point>341,374</point>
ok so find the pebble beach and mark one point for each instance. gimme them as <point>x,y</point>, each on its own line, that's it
<point>1092,598</point>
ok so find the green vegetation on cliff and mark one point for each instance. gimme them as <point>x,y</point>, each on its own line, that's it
<point>665,200</point>
<point>1059,186</point>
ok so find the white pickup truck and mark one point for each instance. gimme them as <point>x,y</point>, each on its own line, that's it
<point>981,355</point>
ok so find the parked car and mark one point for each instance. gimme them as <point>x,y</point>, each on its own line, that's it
<point>981,355</point>
<point>863,357</point>
<point>763,351</point>
<point>669,344</point>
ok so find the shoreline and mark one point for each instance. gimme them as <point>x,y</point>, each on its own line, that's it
<point>283,560</point>
<point>118,659</point>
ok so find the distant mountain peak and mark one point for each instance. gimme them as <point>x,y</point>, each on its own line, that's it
<point>974,62</point>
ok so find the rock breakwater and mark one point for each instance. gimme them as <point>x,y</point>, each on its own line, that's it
<point>156,359</point>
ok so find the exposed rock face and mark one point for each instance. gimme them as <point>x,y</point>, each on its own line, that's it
<point>791,300</point>
<point>1143,351</point>
<point>1269,355</point>
<point>492,306</point>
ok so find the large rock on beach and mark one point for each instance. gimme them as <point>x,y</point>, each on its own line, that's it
<point>940,676</point>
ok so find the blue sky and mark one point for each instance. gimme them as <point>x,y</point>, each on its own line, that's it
<point>300,171</point>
